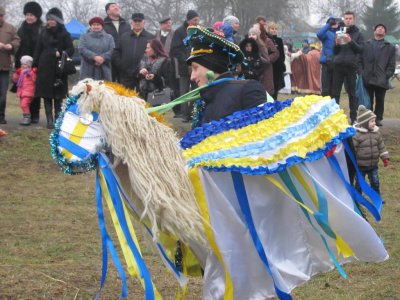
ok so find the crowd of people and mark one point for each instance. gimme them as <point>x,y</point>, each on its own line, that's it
<point>118,50</point>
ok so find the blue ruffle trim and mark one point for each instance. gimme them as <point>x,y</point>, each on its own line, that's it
<point>273,142</point>
<point>237,120</point>
<point>311,156</point>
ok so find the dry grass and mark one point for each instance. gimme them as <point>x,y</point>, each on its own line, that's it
<point>50,242</point>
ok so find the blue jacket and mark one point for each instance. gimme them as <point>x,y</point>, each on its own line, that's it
<point>327,36</point>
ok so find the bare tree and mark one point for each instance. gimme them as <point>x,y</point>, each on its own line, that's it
<point>337,7</point>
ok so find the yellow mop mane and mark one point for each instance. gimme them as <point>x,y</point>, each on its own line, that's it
<point>150,150</point>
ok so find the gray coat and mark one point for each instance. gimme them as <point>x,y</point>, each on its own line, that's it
<point>93,44</point>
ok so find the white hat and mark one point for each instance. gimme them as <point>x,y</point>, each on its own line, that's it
<point>26,60</point>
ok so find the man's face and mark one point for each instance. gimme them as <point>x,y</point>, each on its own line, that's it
<point>137,25</point>
<point>199,74</point>
<point>380,31</point>
<point>348,20</point>
<point>194,22</point>
<point>166,26</point>
<point>236,26</point>
<point>113,11</point>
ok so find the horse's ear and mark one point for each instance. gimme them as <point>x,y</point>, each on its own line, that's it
<point>88,88</point>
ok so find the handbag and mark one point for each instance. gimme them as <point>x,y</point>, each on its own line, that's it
<point>362,94</point>
<point>65,65</point>
<point>158,97</point>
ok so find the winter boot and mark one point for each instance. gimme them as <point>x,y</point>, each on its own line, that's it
<point>48,107</point>
<point>26,120</point>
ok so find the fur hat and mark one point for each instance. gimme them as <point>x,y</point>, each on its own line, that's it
<point>98,20</point>
<point>191,14</point>
<point>230,20</point>
<point>26,60</point>
<point>211,50</point>
<point>364,115</point>
<point>55,14</point>
<point>165,19</point>
<point>34,8</point>
<point>137,17</point>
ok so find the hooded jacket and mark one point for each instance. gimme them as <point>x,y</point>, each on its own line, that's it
<point>327,36</point>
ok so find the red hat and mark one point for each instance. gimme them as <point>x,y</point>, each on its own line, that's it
<point>98,20</point>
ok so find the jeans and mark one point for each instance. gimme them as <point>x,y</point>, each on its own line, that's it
<point>4,82</point>
<point>326,79</point>
<point>373,178</point>
<point>379,102</point>
<point>340,74</point>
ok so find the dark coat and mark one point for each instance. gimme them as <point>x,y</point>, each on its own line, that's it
<point>348,54</point>
<point>228,97</point>
<point>369,147</point>
<point>377,70</point>
<point>128,53</point>
<point>253,64</point>
<point>110,28</point>
<point>29,35</point>
<point>160,68</point>
<point>166,41</point>
<point>278,66</point>
<point>179,52</point>
<point>50,41</point>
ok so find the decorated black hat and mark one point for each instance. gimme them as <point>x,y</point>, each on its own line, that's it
<point>211,50</point>
<point>34,8</point>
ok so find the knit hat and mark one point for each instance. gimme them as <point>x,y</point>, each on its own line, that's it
<point>377,25</point>
<point>217,25</point>
<point>34,8</point>
<point>230,20</point>
<point>55,14</point>
<point>191,14</point>
<point>26,60</point>
<point>211,50</point>
<point>255,30</point>
<point>98,20</point>
<point>364,115</point>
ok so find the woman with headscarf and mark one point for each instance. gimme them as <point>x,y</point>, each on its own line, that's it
<point>96,47</point>
<point>50,85</point>
<point>29,33</point>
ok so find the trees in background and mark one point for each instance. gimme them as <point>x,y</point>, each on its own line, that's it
<point>382,11</point>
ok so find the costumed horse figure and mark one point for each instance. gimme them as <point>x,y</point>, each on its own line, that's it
<point>261,199</point>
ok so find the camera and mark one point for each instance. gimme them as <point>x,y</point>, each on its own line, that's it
<point>341,34</point>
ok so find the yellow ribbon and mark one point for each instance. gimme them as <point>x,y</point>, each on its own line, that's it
<point>128,255</point>
<point>202,203</point>
<point>75,137</point>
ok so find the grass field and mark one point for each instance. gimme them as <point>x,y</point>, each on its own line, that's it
<point>50,243</point>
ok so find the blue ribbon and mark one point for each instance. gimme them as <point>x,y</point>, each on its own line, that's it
<point>245,207</point>
<point>115,196</point>
<point>107,243</point>
<point>129,202</point>
<point>75,149</point>
<point>74,109</point>
<point>320,216</point>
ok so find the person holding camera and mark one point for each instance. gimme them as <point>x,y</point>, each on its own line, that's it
<point>349,44</point>
<point>327,35</point>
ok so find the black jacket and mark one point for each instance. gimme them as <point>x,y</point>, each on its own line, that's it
<point>228,97</point>
<point>179,52</point>
<point>278,66</point>
<point>379,65</point>
<point>129,51</point>
<point>253,64</point>
<point>348,54</point>
<point>110,28</point>
<point>29,35</point>
<point>50,41</point>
